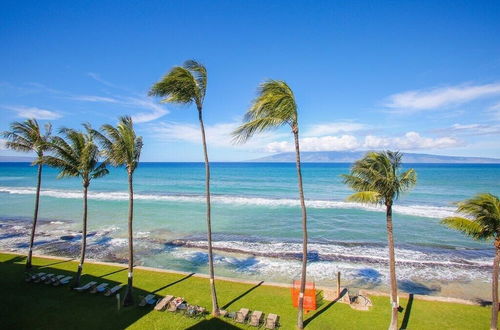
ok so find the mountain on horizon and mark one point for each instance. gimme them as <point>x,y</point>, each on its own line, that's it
<point>352,156</point>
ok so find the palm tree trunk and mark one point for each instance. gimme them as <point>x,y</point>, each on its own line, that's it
<point>300,316</point>
<point>215,306</point>
<point>129,299</point>
<point>392,270</point>
<point>494,288</point>
<point>76,283</point>
<point>35,217</point>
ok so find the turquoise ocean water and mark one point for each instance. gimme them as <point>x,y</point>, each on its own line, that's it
<point>256,221</point>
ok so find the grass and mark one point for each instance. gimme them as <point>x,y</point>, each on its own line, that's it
<point>38,306</point>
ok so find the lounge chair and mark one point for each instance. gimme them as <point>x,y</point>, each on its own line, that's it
<point>62,281</point>
<point>271,321</point>
<point>86,287</point>
<point>99,288</point>
<point>148,300</point>
<point>175,304</point>
<point>113,290</point>
<point>31,277</point>
<point>53,279</point>
<point>43,278</point>
<point>162,303</point>
<point>256,318</point>
<point>242,315</point>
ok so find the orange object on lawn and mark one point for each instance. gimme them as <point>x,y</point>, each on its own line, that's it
<point>309,295</point>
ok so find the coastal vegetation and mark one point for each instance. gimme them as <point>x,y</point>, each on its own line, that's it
<point>122,147</point>
<point>187,85</point>
<point>28,137</point>
<point>481,221</point>
<point>30,305</point>
<point>377,178</point>
<point>274,107</point>
<point>77,155</point>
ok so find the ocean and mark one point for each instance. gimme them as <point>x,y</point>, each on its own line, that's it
<point>257,223</point>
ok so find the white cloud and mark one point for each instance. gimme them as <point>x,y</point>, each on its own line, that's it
<point>420,100</point>
<point>34,112</point>
<point>324,143</point>
<point>98,78</point>
<point>333,128</point>
<point>217,135</point>
<point>94,98</point>
<point>409,141</point>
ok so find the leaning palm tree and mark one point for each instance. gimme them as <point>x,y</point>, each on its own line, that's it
<point>77,155</point>
<point>378,179</point>
<point>187,85</point>
<point>122,147</point>
<point>27,137</point>
<point>274,107</point>
<point>481,222</point>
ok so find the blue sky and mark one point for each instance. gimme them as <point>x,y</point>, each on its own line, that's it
<point>416,76</point>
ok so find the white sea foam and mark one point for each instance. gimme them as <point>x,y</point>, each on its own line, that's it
<point>413,210</point>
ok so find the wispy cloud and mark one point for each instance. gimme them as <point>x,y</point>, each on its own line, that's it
<point>2,144</point>
<point>156,110</point>
<point>409,141</point>
<point>472,129</point>
<point>97,77</point>
<point>333,128</point>
<point>34,112</point>
<point>421,100</point>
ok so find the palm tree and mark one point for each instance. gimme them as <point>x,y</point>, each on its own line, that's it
<point>122,147</point>
<point>187,85</point>
<point>274,107</point>
<point>377,178</point>
<point>481,222</point>
<point>77,155</point>
<point>27,137</point>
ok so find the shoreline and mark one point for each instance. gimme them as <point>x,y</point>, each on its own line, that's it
<point>328,291</point>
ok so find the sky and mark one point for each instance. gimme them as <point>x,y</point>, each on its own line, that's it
<point>415,76</point>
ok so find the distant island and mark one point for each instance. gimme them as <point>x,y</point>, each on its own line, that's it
<point>16,159</point>
<point>352,156</point>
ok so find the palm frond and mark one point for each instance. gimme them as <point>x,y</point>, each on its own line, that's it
<point>466,226</point>
<point>273,107</point>
<point>365,197</point>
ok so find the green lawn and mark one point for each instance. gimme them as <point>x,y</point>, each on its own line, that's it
<point>38,306</point>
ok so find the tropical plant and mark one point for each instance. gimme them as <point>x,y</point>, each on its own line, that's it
<point>122,147</point>
<point>187,85</point>
<point>274,107</point>
<point>378,179</point>
<point>77,155</point>
<point>28,137</point>
<point>481,222</point>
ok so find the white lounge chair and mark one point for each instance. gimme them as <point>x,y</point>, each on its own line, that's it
<point>148,300</point>
<point>54,279</point>
<point>241,315</point>
<point>63,281</point>
<point>32,277</point>
<point>86,287</point>
<point>271,321</point>
<point>44,278</point>
<point>113,290</point>
<point>162,303</point>
<point>99,288</point>
<point>255,318</point>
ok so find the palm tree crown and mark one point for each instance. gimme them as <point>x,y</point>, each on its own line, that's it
<point>482,219</point>
<point>27,136</point>
<point>185,84</point>
<point>274,107</point>
<point>76,155</point>
<point>121,146</point>
<point>377,178</point>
